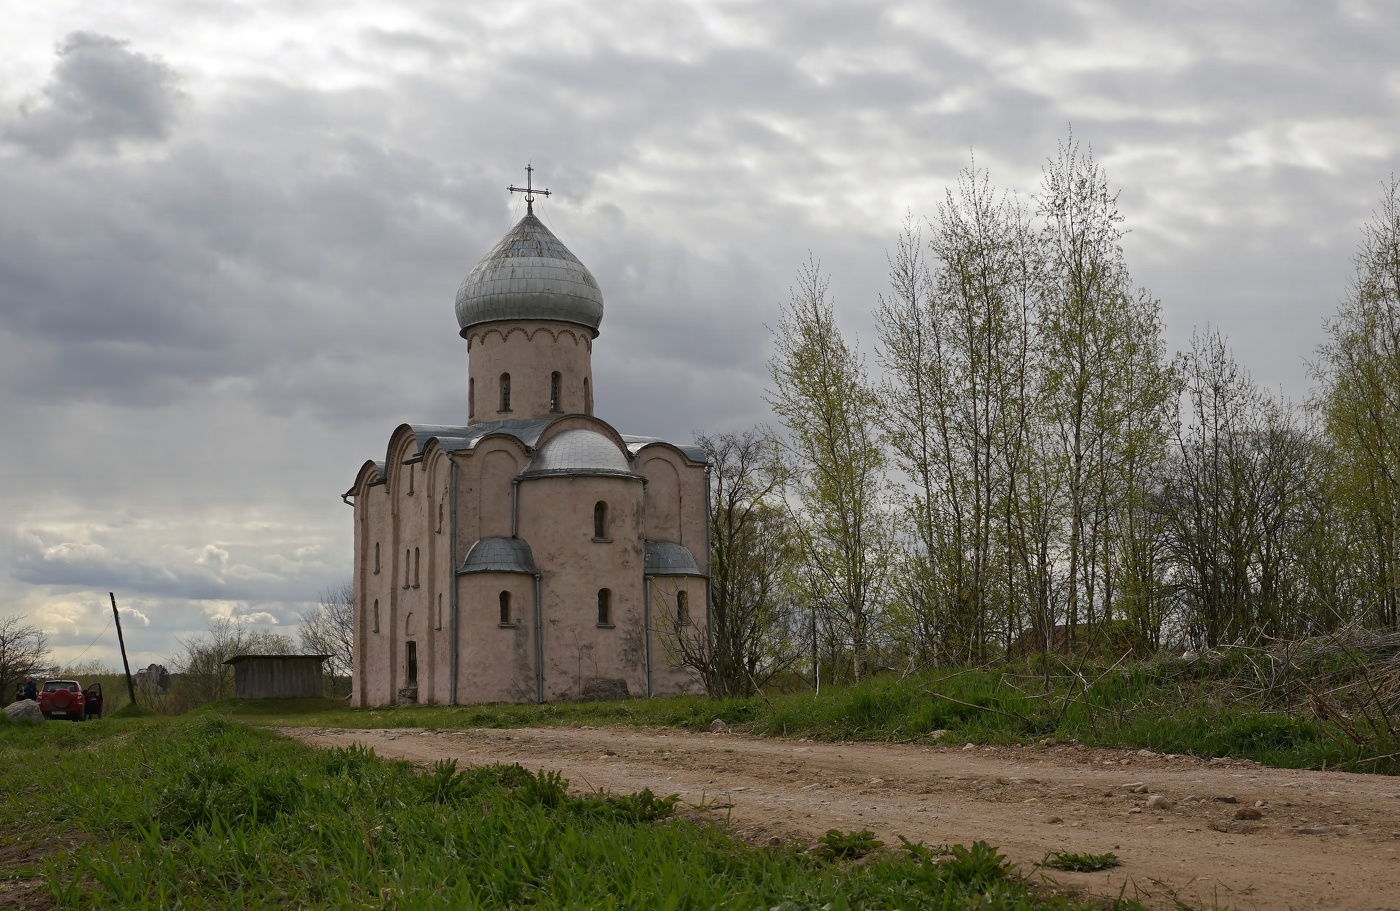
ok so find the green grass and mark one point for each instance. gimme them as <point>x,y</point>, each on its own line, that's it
<point>1166,707</point>
<point>212,813</point>
<point>1080,863</point>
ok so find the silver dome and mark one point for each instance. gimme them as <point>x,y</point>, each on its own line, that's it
<point>578,452</point>
<point>529,275</point>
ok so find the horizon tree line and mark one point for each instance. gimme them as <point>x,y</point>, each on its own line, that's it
<point>1033,471</point>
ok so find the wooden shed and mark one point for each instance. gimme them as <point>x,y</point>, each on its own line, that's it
<point>277,676</point>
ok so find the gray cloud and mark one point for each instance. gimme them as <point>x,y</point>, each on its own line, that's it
<point>101,95</point>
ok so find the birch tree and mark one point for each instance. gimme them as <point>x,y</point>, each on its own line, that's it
<point>1107,389</point>
<point>836,457</point>
<point>955,347</point>
<point>1359,367</point>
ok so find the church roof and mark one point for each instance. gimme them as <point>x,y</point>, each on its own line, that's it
<point>529,275</point>
<point>667,558</point>
<point>456,437</point>
<point>635,444</point>
<point>579,452</point>
<point>499,555</point>
<point>607,458</point>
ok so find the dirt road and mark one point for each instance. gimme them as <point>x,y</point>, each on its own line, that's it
<point>1320,839</point>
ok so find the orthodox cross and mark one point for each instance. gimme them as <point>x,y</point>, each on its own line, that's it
<point>529,190</point>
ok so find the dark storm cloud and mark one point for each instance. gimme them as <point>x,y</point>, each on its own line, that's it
<point>101,94</point>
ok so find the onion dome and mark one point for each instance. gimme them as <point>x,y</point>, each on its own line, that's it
<point>578,452</point>
<point>529,275</point>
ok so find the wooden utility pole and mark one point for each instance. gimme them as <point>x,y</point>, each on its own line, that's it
<point>130,687</point>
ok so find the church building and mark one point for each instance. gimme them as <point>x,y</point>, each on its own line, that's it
<point>532,553</point>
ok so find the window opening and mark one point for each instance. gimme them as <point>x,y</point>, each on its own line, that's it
<point>604,607</point>
<point>683,608</point>
<point>587,398</point>
<point>554,391</point>
<point>600,521</point>
<point>417,567</point>
<point>505,608</point>
<point>410,480</point>
<point>441,509</point>
<point>376,558</point>
<point>505,391</point>
<point>376,615</point>
<point>411,662</point>
<point>439,623</point>
<point>471,398</point>
<point>407,567</point>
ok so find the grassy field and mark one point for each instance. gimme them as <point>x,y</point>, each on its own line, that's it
<point>1163,706</point>
<point>208,812</point>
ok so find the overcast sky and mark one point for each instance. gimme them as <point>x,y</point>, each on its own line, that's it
<point>231,232</point>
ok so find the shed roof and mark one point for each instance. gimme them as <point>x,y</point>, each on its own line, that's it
<point>237,659</point>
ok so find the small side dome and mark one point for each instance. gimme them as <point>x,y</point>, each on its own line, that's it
<point>667,558</point>
<point>529,275</point>
<point>499,555</point>
<point>579,452</point>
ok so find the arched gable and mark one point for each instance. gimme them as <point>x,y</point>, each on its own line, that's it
<point>494,464</point>
<point>582,422</point>
<point>370,473</point>
<point>663,497</point>
<point>644,450</point>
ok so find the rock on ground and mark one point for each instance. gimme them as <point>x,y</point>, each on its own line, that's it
<point>25,710</point>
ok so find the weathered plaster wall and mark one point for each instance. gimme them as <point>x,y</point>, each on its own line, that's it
<point>529,351</point>
<point>556,518</point>
<point>375,593</point>
<point>498,463</point>
<point>496,662</point>
<point>663,499</point>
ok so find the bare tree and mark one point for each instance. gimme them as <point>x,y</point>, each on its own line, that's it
<point>329,629</point>
<point>203,675</point>
<point>24,652</point>
<point>749,639</point>
<point>837,461</point>
<point>1235,501</point>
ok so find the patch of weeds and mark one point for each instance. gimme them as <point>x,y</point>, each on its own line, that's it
<point>1080,863</point>
<point>838,845</point>
<point>977,868</point>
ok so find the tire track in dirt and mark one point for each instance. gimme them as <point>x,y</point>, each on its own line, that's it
<point>1321,840</point>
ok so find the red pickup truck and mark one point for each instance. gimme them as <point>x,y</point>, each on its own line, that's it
<point>66,699</point>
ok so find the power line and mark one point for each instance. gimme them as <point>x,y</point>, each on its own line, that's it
<point>94,641</point>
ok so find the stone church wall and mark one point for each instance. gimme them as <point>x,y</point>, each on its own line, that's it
<point>529,352</point>
<point>557,518</point>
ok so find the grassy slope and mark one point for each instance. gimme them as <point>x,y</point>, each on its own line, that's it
<point>210,813</point>
<point>1163,707</point>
